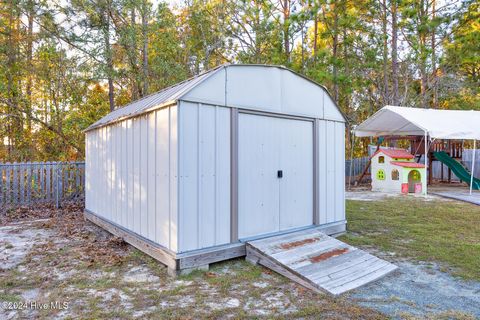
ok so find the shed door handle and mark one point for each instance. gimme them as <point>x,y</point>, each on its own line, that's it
<point>280,174</point>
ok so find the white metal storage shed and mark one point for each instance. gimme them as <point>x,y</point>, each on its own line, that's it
<point>242,151</point>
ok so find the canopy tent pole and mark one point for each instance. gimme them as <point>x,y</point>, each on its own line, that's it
<point>426,162</point>
<point>473,165</point>
<point>352,144</point>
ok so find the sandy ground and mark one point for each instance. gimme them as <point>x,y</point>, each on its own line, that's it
<point>98,276</point>
<point>57,261</point>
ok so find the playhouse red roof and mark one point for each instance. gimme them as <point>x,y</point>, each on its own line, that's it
<point>396,153</point>
<point>408,164</point>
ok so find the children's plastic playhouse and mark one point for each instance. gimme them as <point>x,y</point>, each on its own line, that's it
<point>395,170</point>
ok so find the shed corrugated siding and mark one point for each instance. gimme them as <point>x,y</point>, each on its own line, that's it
<point>204,199</point>
<point>331,171</point>
<point>131,175</point>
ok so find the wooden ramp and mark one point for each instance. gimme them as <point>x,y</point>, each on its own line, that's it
<point>317,261</point>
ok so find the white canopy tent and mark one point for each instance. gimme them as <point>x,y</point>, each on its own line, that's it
<point>431,123</point>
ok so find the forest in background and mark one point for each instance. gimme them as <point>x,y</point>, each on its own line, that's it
<point>66,63</point>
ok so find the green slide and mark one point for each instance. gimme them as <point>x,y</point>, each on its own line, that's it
<point>457,168</point>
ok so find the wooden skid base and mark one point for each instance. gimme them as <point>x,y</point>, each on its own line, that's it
<point>186,262</point>
<point>177,263</point>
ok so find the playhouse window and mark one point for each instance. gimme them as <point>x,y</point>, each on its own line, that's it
<point>381,159</point>
<point>381,174</point>
<point>395,174</point>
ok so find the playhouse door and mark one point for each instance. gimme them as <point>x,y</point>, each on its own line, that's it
<point>275,174</point>
<point>413,179</point>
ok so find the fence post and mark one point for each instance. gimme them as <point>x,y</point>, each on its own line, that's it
<point>15,183</point>
<point>29,182</point>
<point>57,185</point>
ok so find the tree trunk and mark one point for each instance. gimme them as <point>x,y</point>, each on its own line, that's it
<point>423,56</point>
<point>31,13</point>
<point>136,86</point>
<point>434,63</point>
<point>15,123</point>
<point>145,46</point>
<point>315,37</point>
<point>335,52</point>
<point>108,56</point>
<point>386,98</point>
<point>286,29</point>
<point>346,69</point>
<point>395,95</point>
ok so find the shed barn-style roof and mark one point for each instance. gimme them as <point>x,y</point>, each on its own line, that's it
<point>154,100</point>
<point>255,87</point>
<point>396,153</point>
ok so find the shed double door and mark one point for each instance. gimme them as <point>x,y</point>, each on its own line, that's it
<point>275,174</point>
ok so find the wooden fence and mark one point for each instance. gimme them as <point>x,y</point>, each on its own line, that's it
<point>355,166</point>
<point>29,183</point>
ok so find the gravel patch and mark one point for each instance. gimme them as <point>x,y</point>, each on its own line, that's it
<point>420,290</point>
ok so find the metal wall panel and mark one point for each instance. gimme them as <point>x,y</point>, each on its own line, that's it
<point>112,165</point>
<point>174,177</point>
<point>143,171</point>
<point>262,90</point>
<point>331,111</point>
<point>135,183</point>
<point>131,175</point>
<point>212,91</point>
<point>330,177</point>
<point>88,170</point>
<point>162,177</point>
<point>339,171</point>
<point>124,174</point>
<point>301,96</point>
<point>222,176</point>
<point>204,199</point>
<point>151,169</point>
<point>331,168</point>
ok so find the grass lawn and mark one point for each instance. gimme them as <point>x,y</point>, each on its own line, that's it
<point>447,232</point>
